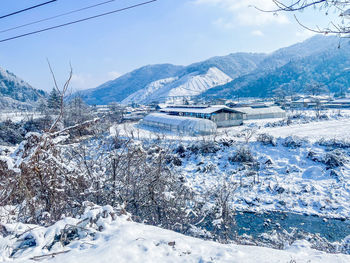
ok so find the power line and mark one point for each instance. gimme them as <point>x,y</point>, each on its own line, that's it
<point>53,17</point>
<point>26,9</point>
<point>77,21</point>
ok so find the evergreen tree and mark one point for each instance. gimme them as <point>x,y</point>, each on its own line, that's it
<point>53,102</point>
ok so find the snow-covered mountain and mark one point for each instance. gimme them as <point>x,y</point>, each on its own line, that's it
<point>243,74</point>
<point>155,79</point>
<point>16,93</point>
<point>120,88</point>
<point>319,59</point>
<point>189,85</point>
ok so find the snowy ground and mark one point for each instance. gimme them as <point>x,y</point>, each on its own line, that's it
<point>19,116</point>
<point>333,129</point>
<point>314,130</point>
<point>124,241</point>
<point>291,181</point>
<point>288,180</point>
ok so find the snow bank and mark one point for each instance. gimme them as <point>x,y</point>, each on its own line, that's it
<point>120,240</point>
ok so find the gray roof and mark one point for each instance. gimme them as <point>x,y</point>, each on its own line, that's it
<point>343,100</point>
<point>203,110</point>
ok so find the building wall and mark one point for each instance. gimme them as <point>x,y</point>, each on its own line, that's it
<point>181,130</point>
<point>225,119</point>
<point>265,116</point>
<point>229,123</point>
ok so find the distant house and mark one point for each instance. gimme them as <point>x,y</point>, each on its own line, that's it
<point>309,102</point>
<point>221,115</point>
<point>339,103</point>
<point>220,101</point>
<point>254,113</point>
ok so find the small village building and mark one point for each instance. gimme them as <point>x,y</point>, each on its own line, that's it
<point>342,103</point>
<point>309,102</point>
<point>221,115</point>
<point>220,101</point>
<point>255,113</point>
<point>179,124</point>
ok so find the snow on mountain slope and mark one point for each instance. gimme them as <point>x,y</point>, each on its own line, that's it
<point>195,85</point>
<point>143,94</point>
<point>191,84</point>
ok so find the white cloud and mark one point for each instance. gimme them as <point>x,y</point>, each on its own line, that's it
<point>257,33</point>
<point>81,81</point>
<point>224,24</point>
<point>245,13</point>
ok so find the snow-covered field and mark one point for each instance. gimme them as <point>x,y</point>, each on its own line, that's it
<point>288,178</point>
<point>117,239</point>
<point>333,129</point>
<point>19,116</point>
<point>327,129</point>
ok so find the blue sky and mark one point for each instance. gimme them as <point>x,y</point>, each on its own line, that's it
<point>166,31</point>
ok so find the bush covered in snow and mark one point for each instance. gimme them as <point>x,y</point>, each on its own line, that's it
<point>335,143</point>
<point>51,179</point>
<point>12,133</point>
<point>335,158</point>
<point>242,155</point>
<point>293,142</point>
<point>266,139</point>
<point>204,147</point>
<point>332,159</point>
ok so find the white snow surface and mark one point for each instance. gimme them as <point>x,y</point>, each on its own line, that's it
<point>332,129</point>
<point>122,240</point>
<point>188,85</point>
<point>143,94</point>
<point>17,116</point>
<point>308,186</point>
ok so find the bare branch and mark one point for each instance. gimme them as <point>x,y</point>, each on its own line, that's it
<point>53,75</point>
<point>62,95</point>
<point>292,6</point>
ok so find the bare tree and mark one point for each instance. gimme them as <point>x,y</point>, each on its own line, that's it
<point>62,92</point>
<point>316,88</point>
<point>285,90</point>
<point>247,134</point>
<point>340,7</point>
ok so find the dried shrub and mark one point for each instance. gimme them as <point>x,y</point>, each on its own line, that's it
<point>335,158</point>
<point>293,142</point>
<point>204,147</point>
<point>266,139</point>
<point>242,155</point>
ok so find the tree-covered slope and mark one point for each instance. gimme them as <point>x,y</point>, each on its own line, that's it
<point>326,63</point>
<point>16,93</point>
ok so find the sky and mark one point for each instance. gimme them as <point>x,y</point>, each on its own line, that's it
<point>179,32</point>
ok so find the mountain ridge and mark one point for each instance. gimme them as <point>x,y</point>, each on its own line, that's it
<point>246,70</point>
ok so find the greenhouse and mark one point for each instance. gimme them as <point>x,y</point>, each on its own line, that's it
<point>179,124</point>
